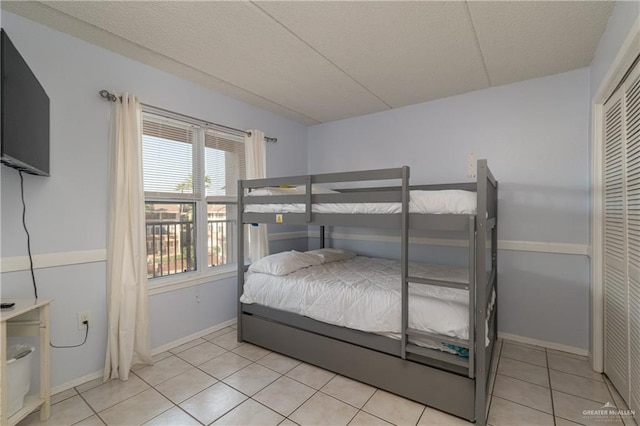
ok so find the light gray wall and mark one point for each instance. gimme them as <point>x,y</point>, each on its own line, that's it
<point>535,137</point>
<point>67,212</point>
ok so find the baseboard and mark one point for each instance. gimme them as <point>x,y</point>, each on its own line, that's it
<point>190,337</point>
<point>95,375</point>
<point>77,382</point>
<point>544,344</point>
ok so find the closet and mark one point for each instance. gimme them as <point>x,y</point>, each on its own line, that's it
<point>622,238</point>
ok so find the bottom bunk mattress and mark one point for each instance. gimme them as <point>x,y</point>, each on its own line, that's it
<point>364,293</point>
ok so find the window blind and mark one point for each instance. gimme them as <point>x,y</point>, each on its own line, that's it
<point>224,164</point>
<point>167,149</point>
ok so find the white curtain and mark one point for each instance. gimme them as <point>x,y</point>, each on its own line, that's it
<point>256,160</point>
<point>128,340</point>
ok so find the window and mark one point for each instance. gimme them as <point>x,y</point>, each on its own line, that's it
<point>190,182</point>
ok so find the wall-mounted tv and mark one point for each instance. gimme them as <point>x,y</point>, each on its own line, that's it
<point>25,114</point>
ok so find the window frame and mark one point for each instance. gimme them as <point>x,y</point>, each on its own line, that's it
<point>202,273</point>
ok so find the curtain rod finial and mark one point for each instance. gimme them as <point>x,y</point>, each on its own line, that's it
<point>108,95</point>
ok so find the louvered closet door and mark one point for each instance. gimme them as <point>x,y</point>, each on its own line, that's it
<point>622,239</point>
<point>615,248</point>
<point>632,134</point>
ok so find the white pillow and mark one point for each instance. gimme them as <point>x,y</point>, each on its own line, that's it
<point>332,254</point>
<point>316,189</point>
<point>452,201</point>
<point>273,190</point>
<point>285,263</point>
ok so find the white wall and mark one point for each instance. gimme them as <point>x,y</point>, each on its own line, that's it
<point>535,137</point>
<point>67,212</point>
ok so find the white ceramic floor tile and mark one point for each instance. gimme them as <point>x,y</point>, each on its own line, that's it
<point>394,408</point>
<point>213,402</point>
<point>278,362</point>
<point>524,371</point>
<point>89,385</point>
<point>163,370</point>
<point>113,392</point>
<point>322,409</point>
<point>61,396</point>
<point>228,341</point>
<point>188,345</point>
<point>185,385</point>
<point>433,417</point>
<point>224,365</point>
<point>202,353</point>
<point>161,356</point>
<point>252,379</point>
<point>136,410</point>
<point>573,366</point>
<point>522,353</point>
<point>365,419</point>
<point>580,386</point>
<point>311,375</point>
<point>617,399</point>
<point>90,421</point>
<point>252,413</point>
<point>507,413</point>
<point>349,391</point>
<point>173,417</point>
<point>564,422</point>
<point>567,354</point>
<point>524,393</point>
<point>284,395</point>
<point>218,333</point>
<point>251,352</point>
<point>287,422</point>
<point>620,404</point>
<point>526,345</point>
<point>573,408</point>
<point>67,412</point>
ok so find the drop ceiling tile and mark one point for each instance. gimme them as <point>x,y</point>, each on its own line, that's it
<point>238,44</point>
<point>404,52</point>
<point>323,61</point>
<point>76,27</point>
<point>529,39</point>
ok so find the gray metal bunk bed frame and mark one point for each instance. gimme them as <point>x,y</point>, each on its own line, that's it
<point>438,379</point>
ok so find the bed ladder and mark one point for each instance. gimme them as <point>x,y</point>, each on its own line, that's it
<point>417,335</point>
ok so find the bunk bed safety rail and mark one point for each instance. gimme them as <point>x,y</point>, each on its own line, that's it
<point>363,175</point>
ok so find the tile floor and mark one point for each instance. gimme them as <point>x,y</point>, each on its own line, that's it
<point>215,380</point>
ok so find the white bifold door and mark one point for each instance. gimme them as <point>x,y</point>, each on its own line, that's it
<point>622,239</point>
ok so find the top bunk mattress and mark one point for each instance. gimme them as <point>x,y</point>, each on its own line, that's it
<point>423,202</point>
<point>364,294</point>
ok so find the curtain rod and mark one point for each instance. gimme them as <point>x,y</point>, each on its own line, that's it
<point>112,98</point>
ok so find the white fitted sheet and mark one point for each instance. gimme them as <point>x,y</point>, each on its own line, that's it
<point>364,294</point>
<point>425,202</point>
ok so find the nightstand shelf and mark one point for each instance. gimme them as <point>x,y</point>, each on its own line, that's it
<point>29,317</point>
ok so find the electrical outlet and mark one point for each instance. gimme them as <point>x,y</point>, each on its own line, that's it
<point>82,317</point>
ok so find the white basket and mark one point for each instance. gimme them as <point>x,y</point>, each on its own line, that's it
<point>18,376</point>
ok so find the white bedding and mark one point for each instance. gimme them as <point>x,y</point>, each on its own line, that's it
<point>364,293</point>
<point>425,202</point>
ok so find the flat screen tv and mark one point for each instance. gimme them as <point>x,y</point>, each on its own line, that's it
<point>25,114</point>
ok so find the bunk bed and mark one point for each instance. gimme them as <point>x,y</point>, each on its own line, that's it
<point>454,383</point>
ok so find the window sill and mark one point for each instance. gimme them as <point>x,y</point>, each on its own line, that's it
<point>192,279</point>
